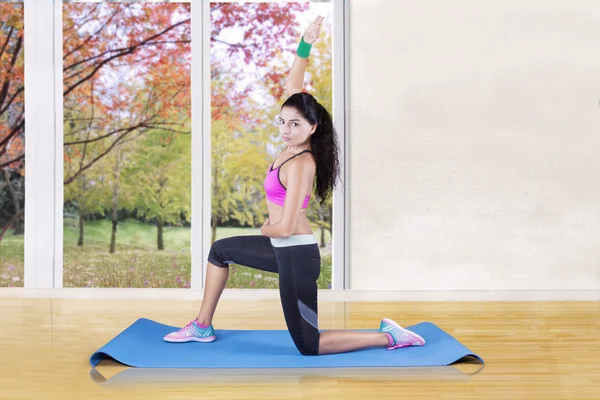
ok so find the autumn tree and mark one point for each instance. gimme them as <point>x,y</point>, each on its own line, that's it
<point>100,38</point>
<point>110,48</point>
<point>266,29</point>
<point>12,120</point>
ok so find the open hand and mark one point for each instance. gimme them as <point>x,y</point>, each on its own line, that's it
<point>311,35</point>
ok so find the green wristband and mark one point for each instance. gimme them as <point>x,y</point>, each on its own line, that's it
<point>303,49</point>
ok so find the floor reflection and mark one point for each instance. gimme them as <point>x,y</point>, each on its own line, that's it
<point>158,377</point>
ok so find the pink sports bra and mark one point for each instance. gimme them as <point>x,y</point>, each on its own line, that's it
<point>274,189</point>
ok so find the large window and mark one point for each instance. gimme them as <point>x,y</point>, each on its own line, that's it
<point>12,145</point>
<point>252,47</point>
<point>127,144</point>
<point>149,136</point>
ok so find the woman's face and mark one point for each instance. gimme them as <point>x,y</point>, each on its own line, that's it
<point>294,129</point>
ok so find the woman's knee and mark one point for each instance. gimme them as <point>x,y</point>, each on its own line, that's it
<point>302,323</point>
<point>308,348</point>
<point>216,255</point>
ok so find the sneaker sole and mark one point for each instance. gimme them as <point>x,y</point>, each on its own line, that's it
<point>191,339</point>
<point>395,325</point>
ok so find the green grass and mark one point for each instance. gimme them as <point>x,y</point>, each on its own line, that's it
<point>11,261</point>
<point>136,262</point>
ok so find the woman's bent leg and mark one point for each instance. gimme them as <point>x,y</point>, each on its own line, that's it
<point>253,251</point>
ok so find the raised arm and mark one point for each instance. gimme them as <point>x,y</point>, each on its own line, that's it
<point>295,79</point>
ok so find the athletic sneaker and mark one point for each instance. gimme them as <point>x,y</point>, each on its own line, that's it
<point>192,332</point>
<point>399,337</point>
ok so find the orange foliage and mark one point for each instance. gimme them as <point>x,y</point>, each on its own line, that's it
<point>12,151</point>
<point>127,68</point>
<point>268,28</point>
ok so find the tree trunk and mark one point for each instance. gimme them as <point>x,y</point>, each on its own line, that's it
<point>113,236</point>
<point>322,219</point>
<point>7,226</point>
<point>18,225</point>
<point>80,240</point>
<point>115,205</point>
<point>213,227</point>
<point>159,235</point>
<point>322,236</point>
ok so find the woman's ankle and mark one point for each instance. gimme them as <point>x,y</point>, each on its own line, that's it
<point>203,322</point>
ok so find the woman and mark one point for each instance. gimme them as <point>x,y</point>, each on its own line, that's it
<point>287,245</point>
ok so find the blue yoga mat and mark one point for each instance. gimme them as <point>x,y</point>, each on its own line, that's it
<point>141,345</point>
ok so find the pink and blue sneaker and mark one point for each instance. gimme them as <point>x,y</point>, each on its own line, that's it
<point>192,332</point>
<point>398,336</point>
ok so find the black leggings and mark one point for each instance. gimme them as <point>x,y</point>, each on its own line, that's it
<point>297,260</point>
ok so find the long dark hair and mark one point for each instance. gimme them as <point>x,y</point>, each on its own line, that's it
<point>323,141</point>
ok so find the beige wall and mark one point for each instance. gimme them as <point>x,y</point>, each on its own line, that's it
<point>474,144</point>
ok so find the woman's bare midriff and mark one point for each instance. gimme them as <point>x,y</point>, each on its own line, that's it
<point>302,225</point>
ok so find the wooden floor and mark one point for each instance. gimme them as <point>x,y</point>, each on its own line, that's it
<point>532,351</point>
